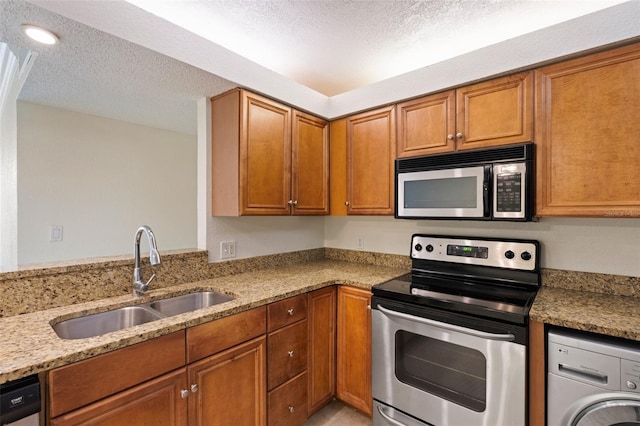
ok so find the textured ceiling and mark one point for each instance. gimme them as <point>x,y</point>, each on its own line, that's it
<point>96,73</point>
<point>330,57</point>
<point>334,46</point>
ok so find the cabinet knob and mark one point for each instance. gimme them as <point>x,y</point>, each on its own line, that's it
<point>184,393</point>
<point>450,137</point>
<point>459,135</point>
<point>346,203</point>
<point>290,202</point>
<point>194,388</point>
<point>295,202</point>
<point>291,409</point>
<point>290,354</point>
<point>290,311</point>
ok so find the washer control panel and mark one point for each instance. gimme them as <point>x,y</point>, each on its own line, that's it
<point>601,361</point>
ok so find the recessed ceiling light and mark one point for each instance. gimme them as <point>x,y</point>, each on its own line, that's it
<point>40,34</point>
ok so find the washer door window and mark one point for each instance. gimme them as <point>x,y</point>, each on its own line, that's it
<point>614,412</point>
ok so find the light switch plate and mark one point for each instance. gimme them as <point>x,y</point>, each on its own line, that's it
<point>227,249</point>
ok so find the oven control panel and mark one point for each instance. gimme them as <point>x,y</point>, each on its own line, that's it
<point>512,254</point>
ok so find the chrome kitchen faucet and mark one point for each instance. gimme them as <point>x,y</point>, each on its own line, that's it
<point>139,287</point>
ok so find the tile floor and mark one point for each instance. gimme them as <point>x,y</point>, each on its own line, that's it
<point>338,414</point>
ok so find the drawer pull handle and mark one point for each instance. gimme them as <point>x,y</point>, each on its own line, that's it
<point>291,409</point>
<point>290,311</point>
<point>194,388</point>
<point>290,354</point>
<point>184,393</point>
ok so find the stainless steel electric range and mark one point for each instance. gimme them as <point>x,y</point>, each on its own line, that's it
<point>449,340</point>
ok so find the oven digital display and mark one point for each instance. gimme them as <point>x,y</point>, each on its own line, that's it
<point>468,251</point>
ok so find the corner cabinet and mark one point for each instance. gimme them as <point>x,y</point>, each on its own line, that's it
<point>354,348</point>
<point>587,127</point>
<point>370,154</point>
<point>267,159</point>
<point>490,113</point>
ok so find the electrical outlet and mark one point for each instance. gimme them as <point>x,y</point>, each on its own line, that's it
<point>55,233</point>
<point>227,249</point>
<point>360,243</point>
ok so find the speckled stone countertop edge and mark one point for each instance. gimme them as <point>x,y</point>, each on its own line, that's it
<point>607,314</point>
<point>28,344</point>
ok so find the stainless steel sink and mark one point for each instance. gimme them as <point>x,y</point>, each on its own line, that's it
<point>105,322</point>
<point>119,319</point>
<point>189,302</point>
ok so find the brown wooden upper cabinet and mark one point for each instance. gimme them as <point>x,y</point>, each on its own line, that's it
<point>490,113</point>
<point>368,143</point>
<point>267,159</point>
<point>587,130</point>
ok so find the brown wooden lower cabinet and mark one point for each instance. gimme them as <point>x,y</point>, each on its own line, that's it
<point>156,402</point>
<point>354,348</point>
<point>537,374</point>
<point>288,402</point>
<point>249,377</point>
<point>231,387</point>
<point>321,366</point>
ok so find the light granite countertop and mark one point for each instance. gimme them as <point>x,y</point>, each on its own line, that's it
<point>28,344</point>
<point>609,314</point>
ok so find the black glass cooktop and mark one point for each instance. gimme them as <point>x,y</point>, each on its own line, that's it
<point>473,297</point>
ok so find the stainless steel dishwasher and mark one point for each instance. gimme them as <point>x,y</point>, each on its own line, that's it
<point>20,402</point>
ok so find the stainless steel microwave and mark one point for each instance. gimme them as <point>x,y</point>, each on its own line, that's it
<point>482,184</point>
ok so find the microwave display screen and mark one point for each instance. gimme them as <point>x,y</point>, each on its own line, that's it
<point>454,192</point>
<point>468,251</point>
<point>509,192</point>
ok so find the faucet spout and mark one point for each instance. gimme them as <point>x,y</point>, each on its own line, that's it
<point>140,287</point>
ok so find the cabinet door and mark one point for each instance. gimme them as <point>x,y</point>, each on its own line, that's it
<point>265,156</point>
<point>354,348</point>
<point>371,151</point>
<point>426,125</point>
<point>231,387</point>
<point>310,165</point>
<point>321,366</point>
<point>338,169</point>
<point>495,112</point>
<point>587,127</point>
<point>156,402</point>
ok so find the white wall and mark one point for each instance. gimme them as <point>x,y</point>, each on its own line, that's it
<point>258,236</point>
<point>610,246</point>
<point>100,179</point>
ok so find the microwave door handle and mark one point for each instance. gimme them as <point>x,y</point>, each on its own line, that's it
<point>450,327</point>
<point>486,199</point>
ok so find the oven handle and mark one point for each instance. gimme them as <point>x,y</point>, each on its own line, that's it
<point>490,336</point>
<point>388,418</point>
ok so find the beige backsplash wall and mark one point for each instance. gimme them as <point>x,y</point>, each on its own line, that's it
<point>606,246</point>
<point>39,289</point>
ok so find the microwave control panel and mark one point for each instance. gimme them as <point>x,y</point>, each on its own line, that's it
<point>509,186</point>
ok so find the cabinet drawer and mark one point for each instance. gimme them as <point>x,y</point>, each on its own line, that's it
<point>75,385</point>
<point>286,311</point>
<point>215,336</point>
<point>156,402</point>
<point>288,403</point>
<point>286,353</point>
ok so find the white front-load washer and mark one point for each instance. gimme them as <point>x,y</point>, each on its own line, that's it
<point>592,380</point>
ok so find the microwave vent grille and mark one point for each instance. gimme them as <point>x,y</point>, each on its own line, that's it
<point>493,155</point>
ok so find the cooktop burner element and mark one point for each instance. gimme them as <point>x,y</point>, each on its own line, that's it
<point>488,278</point>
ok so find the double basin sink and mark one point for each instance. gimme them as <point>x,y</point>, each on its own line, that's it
<point>129,316</point>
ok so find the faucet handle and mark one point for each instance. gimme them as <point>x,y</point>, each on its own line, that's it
<point>148,282</point>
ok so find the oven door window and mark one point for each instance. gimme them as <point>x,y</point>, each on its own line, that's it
<point>449,371</point>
